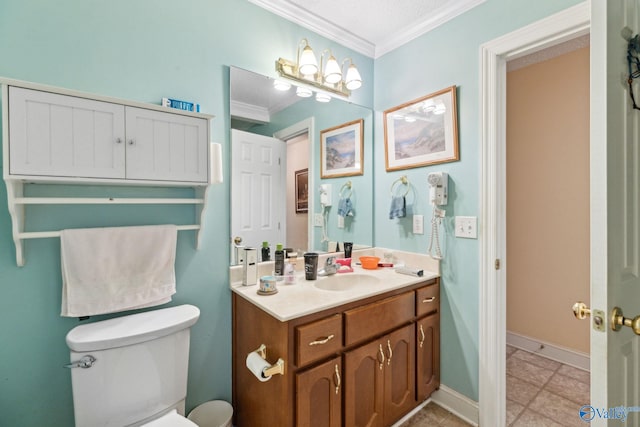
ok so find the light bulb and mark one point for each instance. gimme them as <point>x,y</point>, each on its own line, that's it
<point>281,85</point>
<point>322,97</point>
<point>303,92</point>
<point>332,73</point>
<point>353,80</point>
<point>308,64</point>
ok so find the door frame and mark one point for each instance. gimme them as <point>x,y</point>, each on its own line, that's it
<point>560,27</point>
<point>306,125</point>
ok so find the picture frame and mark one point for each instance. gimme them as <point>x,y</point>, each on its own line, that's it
<point>341,150</point>
<point>302,190</point>
<point>422,132</point>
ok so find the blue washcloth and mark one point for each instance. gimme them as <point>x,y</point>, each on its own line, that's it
<point>345,207</point>
<point>398,207</point>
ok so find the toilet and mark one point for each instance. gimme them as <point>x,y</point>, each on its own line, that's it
<point>135,369</point>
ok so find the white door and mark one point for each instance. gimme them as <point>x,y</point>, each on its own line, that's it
<point>166,147</point>
<point>615,216</point>
<point>257,189</point>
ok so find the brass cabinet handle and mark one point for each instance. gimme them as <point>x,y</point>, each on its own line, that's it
<point>320,341</point>
<point>431,299</point>
<point>381,358</point>
<point>337,380</point>
<point>390,353</point>
<point>119,141</point>
<point>618,321</point>
<point>421,336</point>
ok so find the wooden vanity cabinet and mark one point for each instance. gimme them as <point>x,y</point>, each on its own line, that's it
<point>365,363</point>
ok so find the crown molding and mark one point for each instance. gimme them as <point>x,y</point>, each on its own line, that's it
<point>441,16</point>
<point>302,17</point>
<point>248,111</point>
<point>327,29</point>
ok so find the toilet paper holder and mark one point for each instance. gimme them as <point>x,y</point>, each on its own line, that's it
<point>275,368</point>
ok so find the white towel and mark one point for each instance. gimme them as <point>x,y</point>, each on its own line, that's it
<point>106,270</point>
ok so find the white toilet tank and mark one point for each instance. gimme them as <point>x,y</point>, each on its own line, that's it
<point>140,368</point>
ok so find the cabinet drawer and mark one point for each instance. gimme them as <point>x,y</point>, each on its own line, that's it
<point>318,339</point>
<point>427,299</point>
<point>379,317</point>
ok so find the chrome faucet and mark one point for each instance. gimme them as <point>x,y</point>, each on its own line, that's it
<point>330,267</point>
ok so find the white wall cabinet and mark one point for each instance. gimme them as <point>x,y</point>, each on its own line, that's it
<point>53,135</point>
<point>58,135</point>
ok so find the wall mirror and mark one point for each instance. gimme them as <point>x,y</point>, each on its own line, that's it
<point>275,137</point>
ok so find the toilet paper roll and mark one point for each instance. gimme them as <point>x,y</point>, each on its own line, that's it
<point>257,365</point>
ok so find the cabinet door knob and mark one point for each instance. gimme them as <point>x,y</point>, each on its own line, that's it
<point>118,140</point>
<point>131,142</point>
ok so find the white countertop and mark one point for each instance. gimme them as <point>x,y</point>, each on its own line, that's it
<point>302,298</point>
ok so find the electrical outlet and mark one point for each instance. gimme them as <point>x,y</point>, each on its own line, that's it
<point>418,224</point>
<point>467,227</point>
<point>317,220</point>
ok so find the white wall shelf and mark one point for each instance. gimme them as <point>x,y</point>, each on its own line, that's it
<point>60,136</point>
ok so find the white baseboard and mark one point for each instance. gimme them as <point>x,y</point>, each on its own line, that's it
<point>454,402</point>
<point>457,403</point>
<point>560,354</point>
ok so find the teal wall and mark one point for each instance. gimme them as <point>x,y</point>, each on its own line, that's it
<point>139,50</point>
<point>446,56</point>
<point>146,49</point>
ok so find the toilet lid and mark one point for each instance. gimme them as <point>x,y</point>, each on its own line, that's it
<point>171,419</point>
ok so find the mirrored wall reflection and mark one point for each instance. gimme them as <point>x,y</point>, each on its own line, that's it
<point>275,170</point>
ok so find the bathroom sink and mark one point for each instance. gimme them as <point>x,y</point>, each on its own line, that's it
<point>345,281</point>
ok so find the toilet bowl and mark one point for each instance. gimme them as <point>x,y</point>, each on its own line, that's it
<point>132,370</point>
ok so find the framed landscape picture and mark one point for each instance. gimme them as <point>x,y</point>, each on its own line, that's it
<point>422,132</point>
<point>341,150</point>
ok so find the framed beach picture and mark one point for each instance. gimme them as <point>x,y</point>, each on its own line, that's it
<point>302,190</point>
<point>422,132</point>
<point>341,150</point>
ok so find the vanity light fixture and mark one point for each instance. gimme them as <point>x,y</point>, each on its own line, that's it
<point>303,92</point>
<point>323,97</point>
<point>281,85</point>
<point>328,77</point>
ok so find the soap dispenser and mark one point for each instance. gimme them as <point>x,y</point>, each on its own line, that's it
<point>250,267</point>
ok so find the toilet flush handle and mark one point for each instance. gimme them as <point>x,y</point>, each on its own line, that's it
<point>84,362</point>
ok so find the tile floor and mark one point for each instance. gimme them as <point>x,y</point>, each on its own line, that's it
<point>434,415</point>
<point>542,392</point>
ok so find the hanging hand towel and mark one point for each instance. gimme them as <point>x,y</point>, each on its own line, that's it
<point>345,207</point>
<point>107,270</point>
<point>398,207</point>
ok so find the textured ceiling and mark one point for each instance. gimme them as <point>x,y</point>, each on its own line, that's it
<point>371,27</point>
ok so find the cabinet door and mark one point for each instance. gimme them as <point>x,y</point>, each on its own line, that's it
<point>399,374</point>
<point>166,146</point>
<point>319,395</point>
<point>67,136</point>
<point>364,385</point>
<point>428,355</point>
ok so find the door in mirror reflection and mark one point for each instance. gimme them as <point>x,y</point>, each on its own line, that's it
<point>257,199</point>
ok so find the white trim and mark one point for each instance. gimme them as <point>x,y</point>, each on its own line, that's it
<point>298,15</point>
<point>570,23</point>
<point>551,351</point>
<point>425,25</point>
<point>306,125</point>
<point>457,404</point>
<point>254,113</point>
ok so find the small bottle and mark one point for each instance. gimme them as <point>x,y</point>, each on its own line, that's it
<point>279,257</point>
<point>266,252</point>
<point>289,273</point>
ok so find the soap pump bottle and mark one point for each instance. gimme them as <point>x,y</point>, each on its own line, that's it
<point>279,264</point>
<point>266,252</point>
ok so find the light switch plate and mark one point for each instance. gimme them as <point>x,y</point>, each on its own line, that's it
<point>317,220</point>
<point>418,224</point>
<point>467,227</point>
